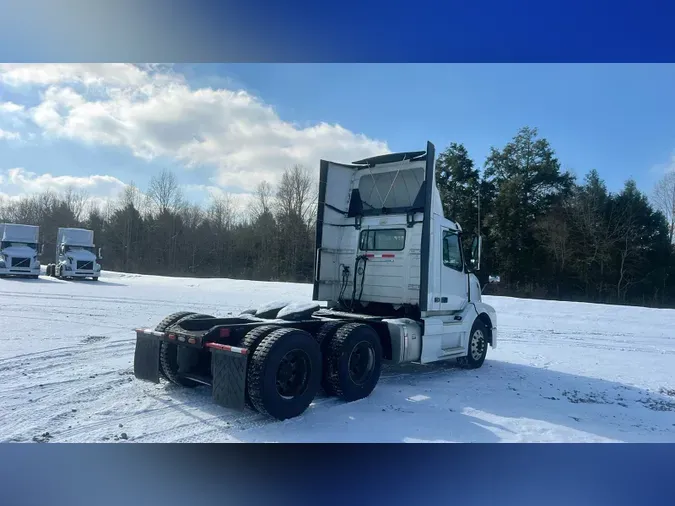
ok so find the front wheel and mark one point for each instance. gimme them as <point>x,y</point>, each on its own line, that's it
<point>477,347</point>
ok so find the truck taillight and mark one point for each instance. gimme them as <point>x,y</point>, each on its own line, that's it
<point>172,337</point>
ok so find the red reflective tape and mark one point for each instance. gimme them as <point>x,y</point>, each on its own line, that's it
<point>369,255</point>
<point>388,255</point>
<point>226,347</point>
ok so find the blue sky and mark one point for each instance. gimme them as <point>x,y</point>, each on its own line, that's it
<point>618,119</point>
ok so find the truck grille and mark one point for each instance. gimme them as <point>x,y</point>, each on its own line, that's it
<point>20,262</point>
<point>85,265</point>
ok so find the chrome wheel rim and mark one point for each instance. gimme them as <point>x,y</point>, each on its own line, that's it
<point>477,345</point>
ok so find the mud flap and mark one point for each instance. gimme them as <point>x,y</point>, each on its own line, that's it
<point>146,357</point>
<point>228,372</point>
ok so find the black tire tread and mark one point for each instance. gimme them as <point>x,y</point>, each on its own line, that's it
<point>165,324</point>
<point>335,350</point>
<point>251,341</point>
<point>464,362</point>
<point>166,353</point>
<point>255,369</point>
<point>324,337</point>
<point>253,337</point>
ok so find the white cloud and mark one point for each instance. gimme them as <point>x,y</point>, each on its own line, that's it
<point>10,107</point>
<point>11,136</point>
<point>663,168</point>
<point>23,182</point>
<point>89,74</point>
<point>154,113</point>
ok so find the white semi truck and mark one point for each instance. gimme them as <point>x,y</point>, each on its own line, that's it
<point>19,250</point>
<point>396,286</point>
<point>76,255</point>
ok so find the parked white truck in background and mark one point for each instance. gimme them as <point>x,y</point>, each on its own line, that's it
<point>76,255</point>
<point>19,250</point>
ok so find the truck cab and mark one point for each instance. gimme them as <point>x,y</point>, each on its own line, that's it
<point>76,255</point>
<point>19,250</point>
<point>384,248</point>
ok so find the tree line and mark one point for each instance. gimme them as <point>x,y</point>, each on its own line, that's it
<point>546,234</point>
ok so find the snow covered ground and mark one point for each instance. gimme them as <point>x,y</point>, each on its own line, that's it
<point>563,372</point>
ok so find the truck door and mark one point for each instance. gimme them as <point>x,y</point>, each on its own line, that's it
<point>453,294</point>
<point>335,239</point>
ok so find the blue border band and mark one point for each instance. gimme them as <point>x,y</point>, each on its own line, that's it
<point>347,31</point>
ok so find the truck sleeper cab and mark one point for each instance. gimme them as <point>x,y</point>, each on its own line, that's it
<point>76,255</point>
<point>19,250</point>
<point>389,269</point>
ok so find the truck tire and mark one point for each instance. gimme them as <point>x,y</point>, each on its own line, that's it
<point>355,361</point>
<point>284,373</point>
<point>324,337</point>
<point>477,347</point>
<point>168,356</point>
<point>251,341</point>
<point>165,324</point>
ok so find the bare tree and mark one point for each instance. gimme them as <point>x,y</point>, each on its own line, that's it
<point>296,193</point>
<point>264,201</point>
<point>165,192</point>
<point>76,201</point>
<point>664,199</point>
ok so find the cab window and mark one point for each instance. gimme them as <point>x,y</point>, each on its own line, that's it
<point>452,251</point>
<point>382,240</point>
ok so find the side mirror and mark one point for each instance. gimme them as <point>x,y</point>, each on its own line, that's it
<point>99,254</point>
<point>494,279</point>
<point>476,250</point>
<point>42,249</point>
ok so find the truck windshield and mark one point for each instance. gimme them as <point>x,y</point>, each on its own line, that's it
<point>90,249</point>
<point>10,244</point>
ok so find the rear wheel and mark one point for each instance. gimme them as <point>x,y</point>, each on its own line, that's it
<point>168,353</point>
<point>284,373</point>
<point>355,361</point>
<point>324,337</point>
<point>251,341</point>
<point>165,324</point>
<point>477,347</point>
